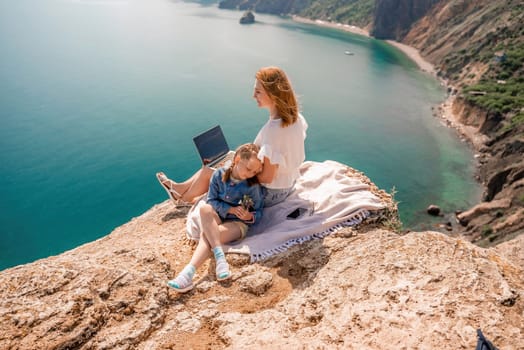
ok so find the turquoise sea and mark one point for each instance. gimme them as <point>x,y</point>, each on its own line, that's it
<point>98,95</point>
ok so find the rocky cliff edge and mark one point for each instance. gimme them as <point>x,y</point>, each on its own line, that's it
<point>360,288</point>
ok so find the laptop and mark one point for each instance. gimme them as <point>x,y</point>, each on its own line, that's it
<point>213,149</point>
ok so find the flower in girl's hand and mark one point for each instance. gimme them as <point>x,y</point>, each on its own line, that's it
<point>247,202</point>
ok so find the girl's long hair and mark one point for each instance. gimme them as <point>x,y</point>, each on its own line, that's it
<point>279,89</point>
<point>246,152</point>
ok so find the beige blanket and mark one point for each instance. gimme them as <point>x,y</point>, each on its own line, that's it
<point>328,199</point>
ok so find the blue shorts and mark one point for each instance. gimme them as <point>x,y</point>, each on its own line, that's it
<point>276,195</point>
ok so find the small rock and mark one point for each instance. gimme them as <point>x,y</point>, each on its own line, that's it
<point>208,314</point>
<point>433,210</point>
<point>215,300</point>
<point>238,259</point>
<point>257,283</point>
<point>204,286</point>
<point>247,18</point>
<point>186,322</point>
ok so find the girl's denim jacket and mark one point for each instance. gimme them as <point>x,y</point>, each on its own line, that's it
<point>224,195</point>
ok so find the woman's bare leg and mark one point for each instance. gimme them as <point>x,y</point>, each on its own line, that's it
<point>194,187</point>
<point>198,185</point>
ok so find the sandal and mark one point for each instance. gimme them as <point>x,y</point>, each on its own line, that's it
<point>181,284</point>
<point>222,271</point>
<point>167,184</point>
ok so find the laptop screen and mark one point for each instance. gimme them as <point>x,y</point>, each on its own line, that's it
<point>211,145</point>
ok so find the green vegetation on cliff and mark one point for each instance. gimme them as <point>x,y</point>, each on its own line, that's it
<point>486,56</point>
<point>355,12</point>
<point>501,89</point>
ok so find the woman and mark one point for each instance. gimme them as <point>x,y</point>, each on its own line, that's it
<point>281,142</point>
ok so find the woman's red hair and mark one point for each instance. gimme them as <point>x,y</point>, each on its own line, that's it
<point>278,87</point>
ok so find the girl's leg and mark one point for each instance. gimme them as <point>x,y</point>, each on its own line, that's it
<point>220,233</point>
<point>201,254</point>
<point>228,232</point>
<point>183,282</point>
<point>217,233</point>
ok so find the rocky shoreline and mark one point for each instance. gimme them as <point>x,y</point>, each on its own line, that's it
<point>500,168</point>
<point>484,224</point>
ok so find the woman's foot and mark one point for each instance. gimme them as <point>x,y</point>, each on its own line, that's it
<point>184,281</point>
<point>169,186</point>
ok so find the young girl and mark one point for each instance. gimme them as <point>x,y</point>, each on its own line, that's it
<point>234,201</point>
<point>281,141</point>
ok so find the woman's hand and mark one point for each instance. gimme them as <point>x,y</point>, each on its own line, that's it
<point>241,213</point>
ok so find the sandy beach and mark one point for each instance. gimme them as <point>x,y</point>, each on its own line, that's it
<point>414,55</point>
<point>409,51</point>
<point>345,27</point>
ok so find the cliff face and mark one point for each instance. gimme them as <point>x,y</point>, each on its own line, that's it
<point>462,38</point>
<point>393,19</point>
<point>500,215</point>
<point>364,288</point>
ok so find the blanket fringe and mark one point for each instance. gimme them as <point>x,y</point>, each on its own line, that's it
<point>355,219</point>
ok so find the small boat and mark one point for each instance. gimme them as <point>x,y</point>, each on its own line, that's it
<point>348,53</point>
